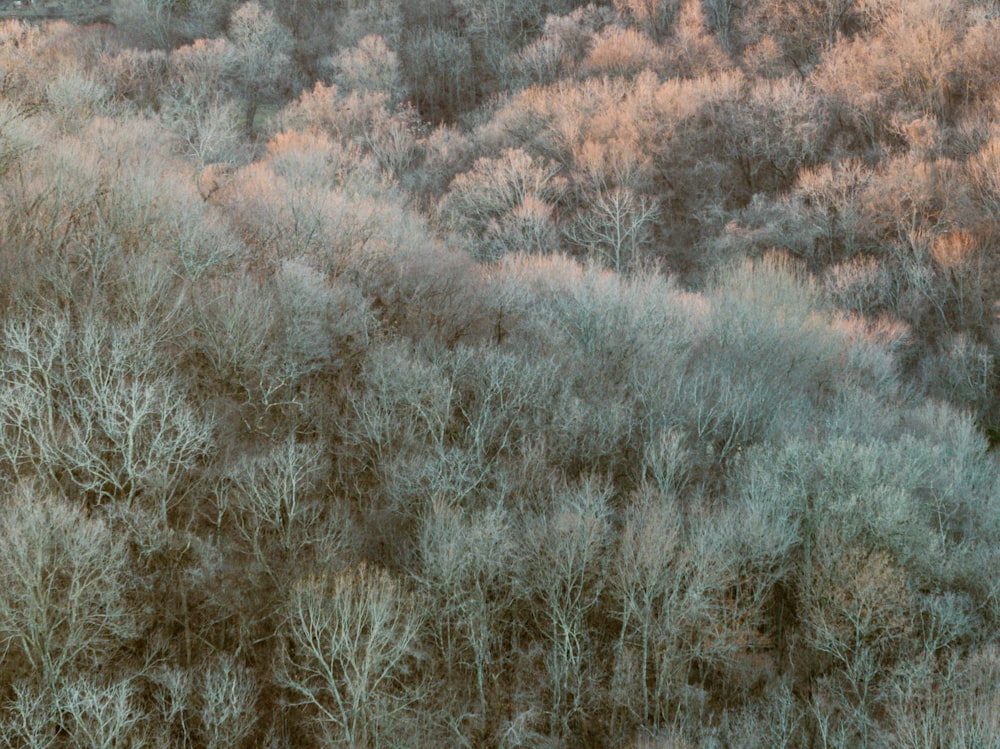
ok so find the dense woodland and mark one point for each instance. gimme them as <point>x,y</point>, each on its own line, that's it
<point>500,373</point>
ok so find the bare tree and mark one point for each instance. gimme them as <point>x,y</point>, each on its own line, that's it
<point>439,70</point>
<point>858,612</point>
<point>29,720</point>
<point>655,17</point>
<point>469,562</point>
<point>62,589</point>
<point>370,66</point>
<point>228,694</point>
<point>497,187</point>
<point>162,23</point>
<point>262,55</point>
<point>91,411</point>
<point>273,497</point>
<point>347,646</point>
<point>616,228</point>
<point>407,405</point>
<point>650,577</point>
<point>149,22</point>
<point>102,717</point>
<point>565,570</point>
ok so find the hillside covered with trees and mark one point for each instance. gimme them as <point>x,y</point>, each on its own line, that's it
<point>500,373</point>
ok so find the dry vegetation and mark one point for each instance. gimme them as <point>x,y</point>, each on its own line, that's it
<point>495,373</point>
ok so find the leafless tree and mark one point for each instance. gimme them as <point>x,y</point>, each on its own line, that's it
<point>616,228</point>
<point>63,608</point>
<point>348,643</point>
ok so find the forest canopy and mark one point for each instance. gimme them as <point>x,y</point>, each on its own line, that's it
<point>499,373</point>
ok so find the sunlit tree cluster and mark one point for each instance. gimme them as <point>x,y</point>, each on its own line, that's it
<point>499,374</point>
